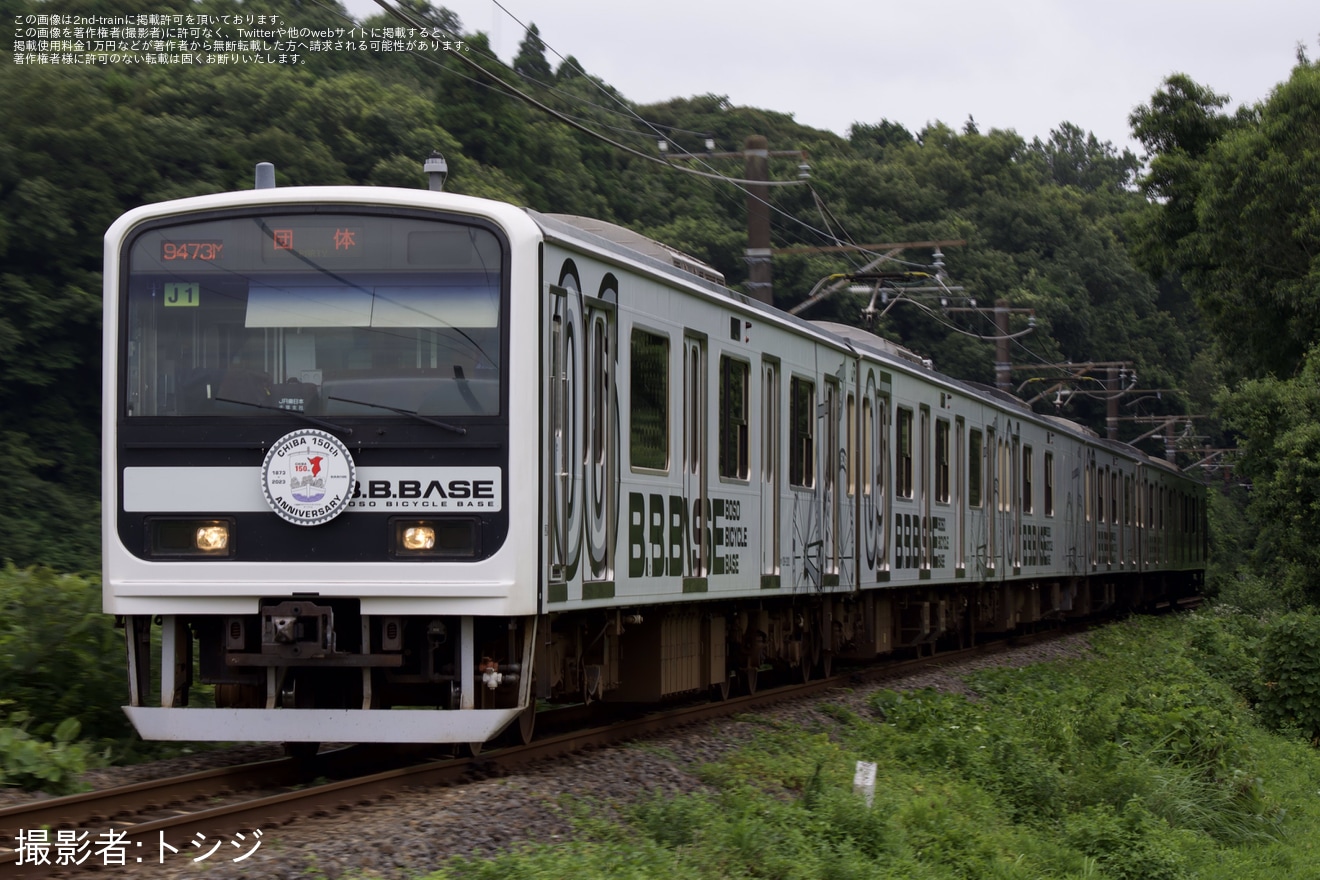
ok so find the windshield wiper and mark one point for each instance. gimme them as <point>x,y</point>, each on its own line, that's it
<point>292,412</point>
<point>457,429</point>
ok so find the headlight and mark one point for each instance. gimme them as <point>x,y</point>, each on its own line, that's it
<point>418,538</point>
<point>213,538</point>
<point>436,538</point>
<point>209,538</point>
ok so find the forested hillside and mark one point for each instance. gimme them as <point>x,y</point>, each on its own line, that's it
<point>1066,226</point>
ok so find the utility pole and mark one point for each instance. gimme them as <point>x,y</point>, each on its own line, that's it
<point>756,151</point>
<point>756,156</point>
<point>1003,361</point>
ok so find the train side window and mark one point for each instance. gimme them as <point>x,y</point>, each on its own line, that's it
<point>903,464</point>
<point>975,457</point>
<point>802,437</point>
<point>734,456</point>
<point>1003,478</point>
<point>1049,484</point>
<point>1100,496</point>
<point>598,367</point>
<point>882,454</point>
<point>868,445</point>
<point>649,390</point>
<point>1028,493</point>
<point>831,432</point>
<point>1113,497</point>
<point>942,461</point>
<point>851,442</point>
<point>1087,503</point>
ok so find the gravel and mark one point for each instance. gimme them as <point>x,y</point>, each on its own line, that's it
<point>415,830</point>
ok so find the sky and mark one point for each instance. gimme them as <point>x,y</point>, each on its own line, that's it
<point>1027,65</point>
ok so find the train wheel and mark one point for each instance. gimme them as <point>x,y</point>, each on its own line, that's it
<point>719,691</point>
<point>826,663</point>
<point>470,750</point>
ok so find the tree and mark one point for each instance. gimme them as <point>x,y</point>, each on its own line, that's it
<point>1078,158</point>
<point>1232,215</point>
<point>1254,258</point>
<point>530,61</point>
<point>1278,423</point>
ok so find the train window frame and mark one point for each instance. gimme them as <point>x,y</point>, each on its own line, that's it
<point>1113,497</point>
<point>942,468</point>
<point>903,477</point>
<point>802,433</point>
<point>247,421</point>
<point>1048,477</point>
<point>1028,489</point>
<point>854,450</point>
<point>600,379</point>
<point>638,398</point>
<point>1088,504</point>
<point>975,468</point>
<point>1003,478</point>
<point>883,477</point>
<point>734,422</point>
<point>1102,477</point>
<point>831,432</point>
<point>868,446</point>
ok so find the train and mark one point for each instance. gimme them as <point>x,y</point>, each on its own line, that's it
<point>396,465</point>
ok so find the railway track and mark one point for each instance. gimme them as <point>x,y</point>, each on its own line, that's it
<point>261,796</point>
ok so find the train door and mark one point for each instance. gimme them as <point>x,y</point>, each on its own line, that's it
<point>831,465</point>
<point>874,465</point>
<point>1092,511</point>
<point>991,499</point>
<point>959,500</point>
<point>565,403</point>
<point>849,512</point>
<point>599,417</point>
<point>694,452</point>
<point>1015,502</point>
<point>1115,526</point>
<point>923,489</point>
<point>866,478</point>
<point>1125,527</point>
<point>850,471</point>
<point>770,428</point>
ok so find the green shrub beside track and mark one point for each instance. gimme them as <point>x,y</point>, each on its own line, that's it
<point>1157,757</point>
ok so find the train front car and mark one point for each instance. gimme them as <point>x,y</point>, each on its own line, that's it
<point>308,473</point>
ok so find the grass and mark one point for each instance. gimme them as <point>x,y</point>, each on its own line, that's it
<point>1145,761</point>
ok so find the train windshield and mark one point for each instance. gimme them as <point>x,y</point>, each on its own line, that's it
<point>324,313</point>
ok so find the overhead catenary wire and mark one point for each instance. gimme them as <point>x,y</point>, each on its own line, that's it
<point>513,91</point>
<point>499,85</point>
<point>545,108</point>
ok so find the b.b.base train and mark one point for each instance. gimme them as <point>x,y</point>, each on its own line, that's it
<point>396,465</point>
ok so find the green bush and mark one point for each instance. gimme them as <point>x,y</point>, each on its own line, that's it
<point>60,656</point>
<point>1127,844</point>
<point>30,763</point>
<point>1138,763</point>
<point>1290,667</point>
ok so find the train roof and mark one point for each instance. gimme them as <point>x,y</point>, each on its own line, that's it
<point>635,241</point>
<point>634,246</point>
